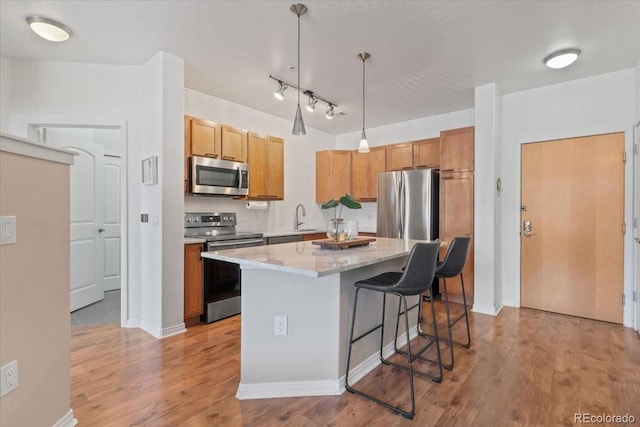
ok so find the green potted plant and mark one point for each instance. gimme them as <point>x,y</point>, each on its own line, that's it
<point>337,229</point>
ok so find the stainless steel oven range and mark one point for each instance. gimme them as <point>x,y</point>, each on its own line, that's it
<point>222,280</point>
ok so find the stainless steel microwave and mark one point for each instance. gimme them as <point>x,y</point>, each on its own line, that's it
<point>210,177</point>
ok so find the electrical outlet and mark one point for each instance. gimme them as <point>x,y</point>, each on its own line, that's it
<point>280,325</point>
<point>8,377</point>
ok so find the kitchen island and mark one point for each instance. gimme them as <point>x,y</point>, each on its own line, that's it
<point>312,290</point>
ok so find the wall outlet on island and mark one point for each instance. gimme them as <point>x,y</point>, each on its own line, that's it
<point>280,325</point>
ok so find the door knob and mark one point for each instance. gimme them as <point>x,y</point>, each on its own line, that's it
<point>526,228</point>
<point>637,239</point>
<point>101,230</point>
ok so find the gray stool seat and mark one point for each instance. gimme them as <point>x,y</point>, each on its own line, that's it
<point>414,280</point>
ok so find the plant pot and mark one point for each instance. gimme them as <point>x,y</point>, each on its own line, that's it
<point>337,230</point>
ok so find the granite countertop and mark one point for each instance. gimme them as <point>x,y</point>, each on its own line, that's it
<point>277,233</point>
<point>306,259</point>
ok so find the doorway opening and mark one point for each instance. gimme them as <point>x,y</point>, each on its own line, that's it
<point>98,218</point>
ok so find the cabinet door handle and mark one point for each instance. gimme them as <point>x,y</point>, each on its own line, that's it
<point>215,156</point>
<point>448,170</point>
<point>228,157</point>
<point>407,167</point>
<point>446,177</point>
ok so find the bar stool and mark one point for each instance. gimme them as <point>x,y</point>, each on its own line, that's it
<point>452,266</point>
<point>414,280</point>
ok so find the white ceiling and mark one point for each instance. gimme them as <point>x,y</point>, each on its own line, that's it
<point>427,56</point>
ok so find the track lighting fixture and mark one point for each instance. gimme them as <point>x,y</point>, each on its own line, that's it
<point>313,97</point>
<point>330,113</point>
<point>311,105</point>
<point>279,93</point>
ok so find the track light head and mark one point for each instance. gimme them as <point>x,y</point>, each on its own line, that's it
<point>311,105</point>
<point>330,113</point>
<point>279,93</point>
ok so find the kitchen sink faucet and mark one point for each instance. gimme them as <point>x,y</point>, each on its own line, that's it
<point>298,223</point>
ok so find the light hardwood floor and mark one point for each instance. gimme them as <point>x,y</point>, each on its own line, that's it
<point>524,368</point>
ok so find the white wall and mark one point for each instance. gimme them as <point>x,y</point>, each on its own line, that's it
<point>594,105</point>
<point>131,97</point>
<point>299,159</point>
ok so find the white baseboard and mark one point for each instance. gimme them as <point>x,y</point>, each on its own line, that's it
<point>67,421</point>
<point>289,389</point>
<point>486,309</point>
<point>320,387</point>
<point>174,330</point>
<point>164,332</point>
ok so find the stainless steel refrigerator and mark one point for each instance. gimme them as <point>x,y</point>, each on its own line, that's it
<point>408,207</point>
<point>408,204</point>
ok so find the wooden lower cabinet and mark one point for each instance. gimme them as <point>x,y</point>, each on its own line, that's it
<point>193,283</point>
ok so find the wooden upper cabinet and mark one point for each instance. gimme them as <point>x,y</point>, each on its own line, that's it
<point>426,153</point>
<point>205,138</point>
<point>233,144</point>
<point>265,155</point>
<point>456,150</point>
<point>333,174</point>
<point>399,156</point>
<point>364,173</point>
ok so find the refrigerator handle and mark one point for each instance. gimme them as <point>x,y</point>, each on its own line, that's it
<point>402,208</point>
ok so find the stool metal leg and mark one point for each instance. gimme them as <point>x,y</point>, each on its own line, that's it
<point>407,414</point>
<point>433,339</point>
<point>452,323</point>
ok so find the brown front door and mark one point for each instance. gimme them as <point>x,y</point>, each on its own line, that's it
<point>571,226</point>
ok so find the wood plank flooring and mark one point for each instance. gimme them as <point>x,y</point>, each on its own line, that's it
<point>524,368</point>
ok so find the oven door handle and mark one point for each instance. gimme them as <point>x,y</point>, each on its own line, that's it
<point>211,246</point>
<point>239,178</point>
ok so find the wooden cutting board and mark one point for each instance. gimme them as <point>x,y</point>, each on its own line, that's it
<point>331,244</point>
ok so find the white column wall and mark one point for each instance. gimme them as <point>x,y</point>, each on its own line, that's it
<point>487,247</point>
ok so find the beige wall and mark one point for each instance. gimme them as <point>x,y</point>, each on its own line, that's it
<point>34,290</point>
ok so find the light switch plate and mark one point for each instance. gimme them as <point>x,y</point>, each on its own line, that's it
<point>7,230</point>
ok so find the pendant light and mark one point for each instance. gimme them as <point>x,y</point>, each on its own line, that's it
<point>298,123</point>
<point>364,146</point>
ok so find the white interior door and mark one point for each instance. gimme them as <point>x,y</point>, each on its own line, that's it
<point>87,213</point>
<point>111,235</point>
<point>87,225</point>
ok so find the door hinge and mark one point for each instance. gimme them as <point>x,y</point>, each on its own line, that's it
<point>635,296</point>
<point>623,299</point>
<point>635,149</point>
<point>624,157</point>
<point>624,228</point>
<point>635,222</point>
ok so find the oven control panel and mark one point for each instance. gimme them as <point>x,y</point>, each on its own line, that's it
<point>200,219</point>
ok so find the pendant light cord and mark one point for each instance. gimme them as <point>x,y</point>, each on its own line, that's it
<point>363,59</point>
<point>298,59</point>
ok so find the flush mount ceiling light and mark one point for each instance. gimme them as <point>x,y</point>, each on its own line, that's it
<point>279,93</point>
<point>49,29</point>
<point>329,114</point>
<point>364,145</point>
<point>562,58</point>
<point>298,123</point>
